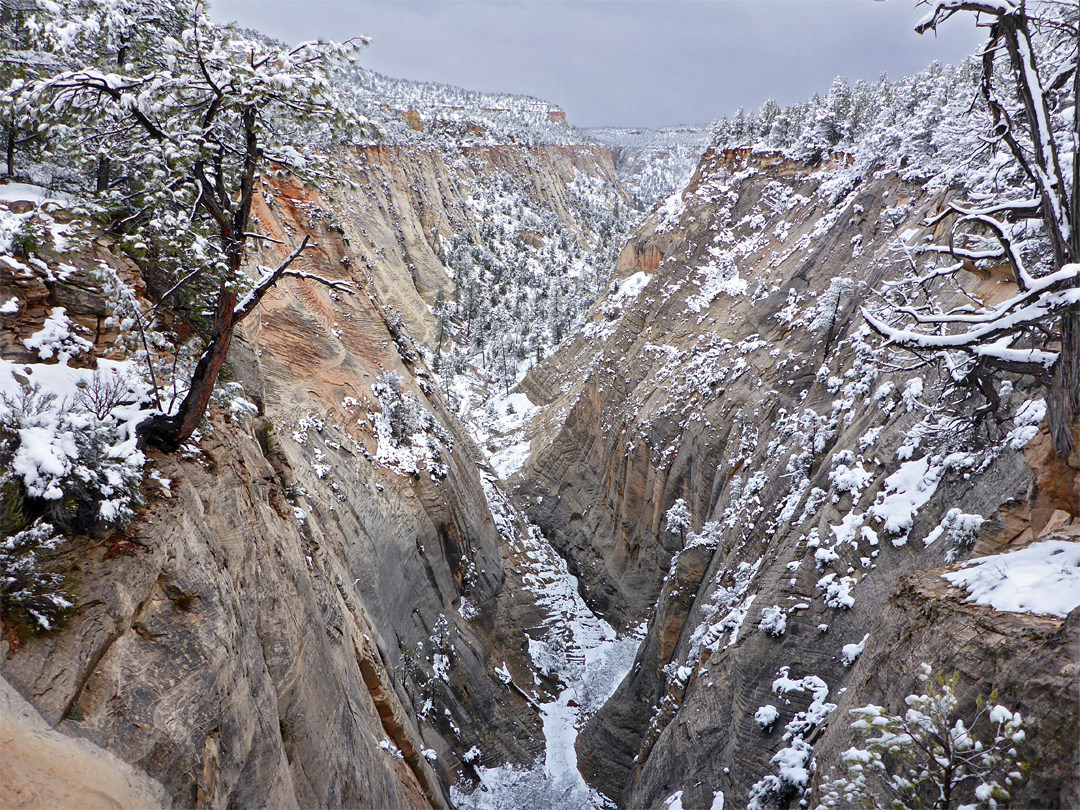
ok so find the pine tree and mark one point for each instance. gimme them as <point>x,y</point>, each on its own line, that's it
<point>193,116</point>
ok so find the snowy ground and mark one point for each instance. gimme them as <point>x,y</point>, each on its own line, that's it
<point>1042,578</point>
<point>496,420</point>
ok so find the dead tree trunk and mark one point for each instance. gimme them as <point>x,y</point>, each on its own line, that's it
<point>1063,401</point>
<point>10,150</point>
<point>104,174</point>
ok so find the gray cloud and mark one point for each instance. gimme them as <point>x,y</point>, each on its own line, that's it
<point>624,62</point>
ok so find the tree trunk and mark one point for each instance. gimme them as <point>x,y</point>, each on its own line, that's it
<point>104,174</point>
<point>169,432</point>
<point>11,149</point>
<point>1063,404</point>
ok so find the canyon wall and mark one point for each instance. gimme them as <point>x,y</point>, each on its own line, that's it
<point>731,369</point>
<point>312,610</point>
<point>306,612</point>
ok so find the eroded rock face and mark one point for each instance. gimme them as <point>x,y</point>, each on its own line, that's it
<point>214,655</point>
<point>739,377</point>
<point>282,626</point>
<point>408,198</point>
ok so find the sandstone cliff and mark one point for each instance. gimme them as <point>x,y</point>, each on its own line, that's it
<point>730,369</point>
<point>304,613</point>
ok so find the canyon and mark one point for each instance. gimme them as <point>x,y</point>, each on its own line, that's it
<point>498,609</point>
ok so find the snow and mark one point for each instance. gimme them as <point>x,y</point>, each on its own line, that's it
<point>24,192</point>
<point>424,440</point>
<point>498,426</point>
<point>163,482</point>
<point>57,337</point>
<point>386,745</point>
<point>628,289</point>
<point>653,163</point>
<point>718,275</point>
<point>678,517</point>
<point>793,762</point>
<point>673,802</point>
<point>10,307</point>
<point>852,651</point>
<point>580,649</point>
<point>48,449</point>
<point>45,455</point>
<point>1043,578</point>
<point>837,593</point>
<point>467,610</point>
<point>510,459</point>
<point>904,493</point>
<point>766,715</point>
<point>851,479</point>
<point>1026,422</point>
<point>1000,714</point>
<point>671,210</point>
<point>734,620</point>
<point>846,531</point>
<point>958,527</point>
<point>1008,317</point>
<point>773,621</point>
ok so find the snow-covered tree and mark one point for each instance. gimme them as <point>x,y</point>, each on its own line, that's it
<point>17,61</point>
<point>190,114</point>
<point>27,591</point>
<point>1023,215</point>
<point>678,518</point>
<point>927,756</point>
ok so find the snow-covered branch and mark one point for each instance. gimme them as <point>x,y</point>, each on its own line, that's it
<point>1034,221</point>
<point>269,277</point>
<point>334,284</point>
<point>994,328</point>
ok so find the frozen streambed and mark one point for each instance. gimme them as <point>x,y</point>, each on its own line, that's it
<point>578,648</point>
<point>589,660</point>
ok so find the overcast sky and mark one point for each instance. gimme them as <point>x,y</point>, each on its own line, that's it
<point>624,62</point>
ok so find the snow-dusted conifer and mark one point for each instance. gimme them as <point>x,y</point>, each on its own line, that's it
<point>193,113</point>
<point>928,756</point>
<point>678,518</point>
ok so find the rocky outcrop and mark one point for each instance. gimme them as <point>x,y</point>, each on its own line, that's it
<point>736,375</point>
<point>1032,661</point>
<point>40,767</point>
